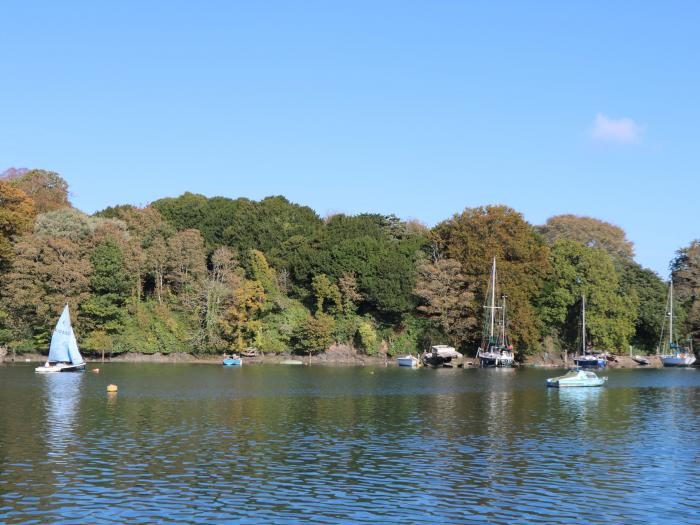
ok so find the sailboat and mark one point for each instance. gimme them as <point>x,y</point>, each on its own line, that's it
<point>495,350</point>
<point>64,355</point>
<point>587,359</point>
<point>675,355</point>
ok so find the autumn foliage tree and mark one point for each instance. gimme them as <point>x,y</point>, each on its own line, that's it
<point>477,235</point>
<point>17,212</point>
<point>590,232</point>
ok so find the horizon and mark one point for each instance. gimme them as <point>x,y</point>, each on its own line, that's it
<point>585,110</point>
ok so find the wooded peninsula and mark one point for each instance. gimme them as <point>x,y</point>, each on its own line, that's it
<point>209,275</point>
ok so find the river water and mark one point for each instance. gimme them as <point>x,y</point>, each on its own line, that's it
<point>273,444</point>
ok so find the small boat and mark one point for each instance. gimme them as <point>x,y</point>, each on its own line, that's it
<point>674,355</point>
<point>641,360</point>
<point>587,359</point>
<point>590,361</point>
<point>408,361</point>
<point>292,362</point>
<point>577,377</point>
<point>495,349</point>
<point>64,355</point>
<point>233,361</point>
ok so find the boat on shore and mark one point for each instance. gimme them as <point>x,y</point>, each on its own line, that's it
<point>577,378</point>
<point>670,352</point>
<point>408,361</point>
<point>495,349</point>
<point>64,355</point>
<point>440,356</point>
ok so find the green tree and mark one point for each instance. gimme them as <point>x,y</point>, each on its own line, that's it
<point>651,292</point>
<point>326,293</point>
<point>314,335</point>
<point>685,273</point>
<point>581,271</point>
<point>110,286</point>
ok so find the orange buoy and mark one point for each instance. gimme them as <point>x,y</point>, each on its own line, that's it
<point>112,388</point>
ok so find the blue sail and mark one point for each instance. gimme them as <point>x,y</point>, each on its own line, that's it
<point>64,347</point>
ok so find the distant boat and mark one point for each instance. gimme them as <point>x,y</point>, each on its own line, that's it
<point>440,355</point>
<point>495,349</point>
<point>292,362</point>
<point>641,360</point>
<point>577,377</point>
<point>675,355</point>
<point>587,359</point>
<point>64,355</point>
<point>233,361</point>
<point>409,361</point>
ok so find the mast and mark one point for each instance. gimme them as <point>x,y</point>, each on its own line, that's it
<point>503,328</point>
<point>583,324</point>
<point>670,313</point>
<point>493,298</point>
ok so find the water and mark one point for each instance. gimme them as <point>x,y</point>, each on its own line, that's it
<point>274,444</point>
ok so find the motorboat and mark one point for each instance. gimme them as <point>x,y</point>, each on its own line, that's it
<point>577,377</point>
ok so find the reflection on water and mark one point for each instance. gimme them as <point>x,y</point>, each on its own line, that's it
<point>62,398</point>
<point>199,444</point>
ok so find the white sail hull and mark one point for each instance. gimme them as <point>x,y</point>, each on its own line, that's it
<point>49,368</point>
<point>678,360</point>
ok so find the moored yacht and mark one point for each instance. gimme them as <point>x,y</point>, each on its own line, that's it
<point>495,349</point>
<point>670,352</point>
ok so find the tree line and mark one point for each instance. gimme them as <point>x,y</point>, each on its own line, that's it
<point>206,275</point>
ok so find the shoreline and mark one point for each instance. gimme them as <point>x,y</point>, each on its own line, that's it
<point>337,356</point>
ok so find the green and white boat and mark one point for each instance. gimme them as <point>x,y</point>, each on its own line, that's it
<point>577,377</point>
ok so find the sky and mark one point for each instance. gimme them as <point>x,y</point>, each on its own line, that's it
<point>415,108</point>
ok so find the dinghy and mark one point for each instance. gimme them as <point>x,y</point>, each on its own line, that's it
<point>408,361</point>
<point>233,361</point>
<point>64,355</point>
<point>577,377</point>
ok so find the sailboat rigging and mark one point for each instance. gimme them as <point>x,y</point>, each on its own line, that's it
<point>495,349</point>
<point>674,355</point>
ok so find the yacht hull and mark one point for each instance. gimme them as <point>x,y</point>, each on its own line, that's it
<point>678,361</point>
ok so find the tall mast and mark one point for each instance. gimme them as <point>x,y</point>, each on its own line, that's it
<point>503,328</point>
<point>493,298</point>
<point>583,323</point>
<point>670,313</point>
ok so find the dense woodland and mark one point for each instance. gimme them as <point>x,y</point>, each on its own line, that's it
<point>206,275</point>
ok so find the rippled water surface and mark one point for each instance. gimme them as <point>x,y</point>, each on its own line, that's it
<point>274,444</point>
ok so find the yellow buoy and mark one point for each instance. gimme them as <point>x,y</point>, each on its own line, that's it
<point>112,388</point>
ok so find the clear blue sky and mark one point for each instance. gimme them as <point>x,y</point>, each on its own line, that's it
<point>416,108</point>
